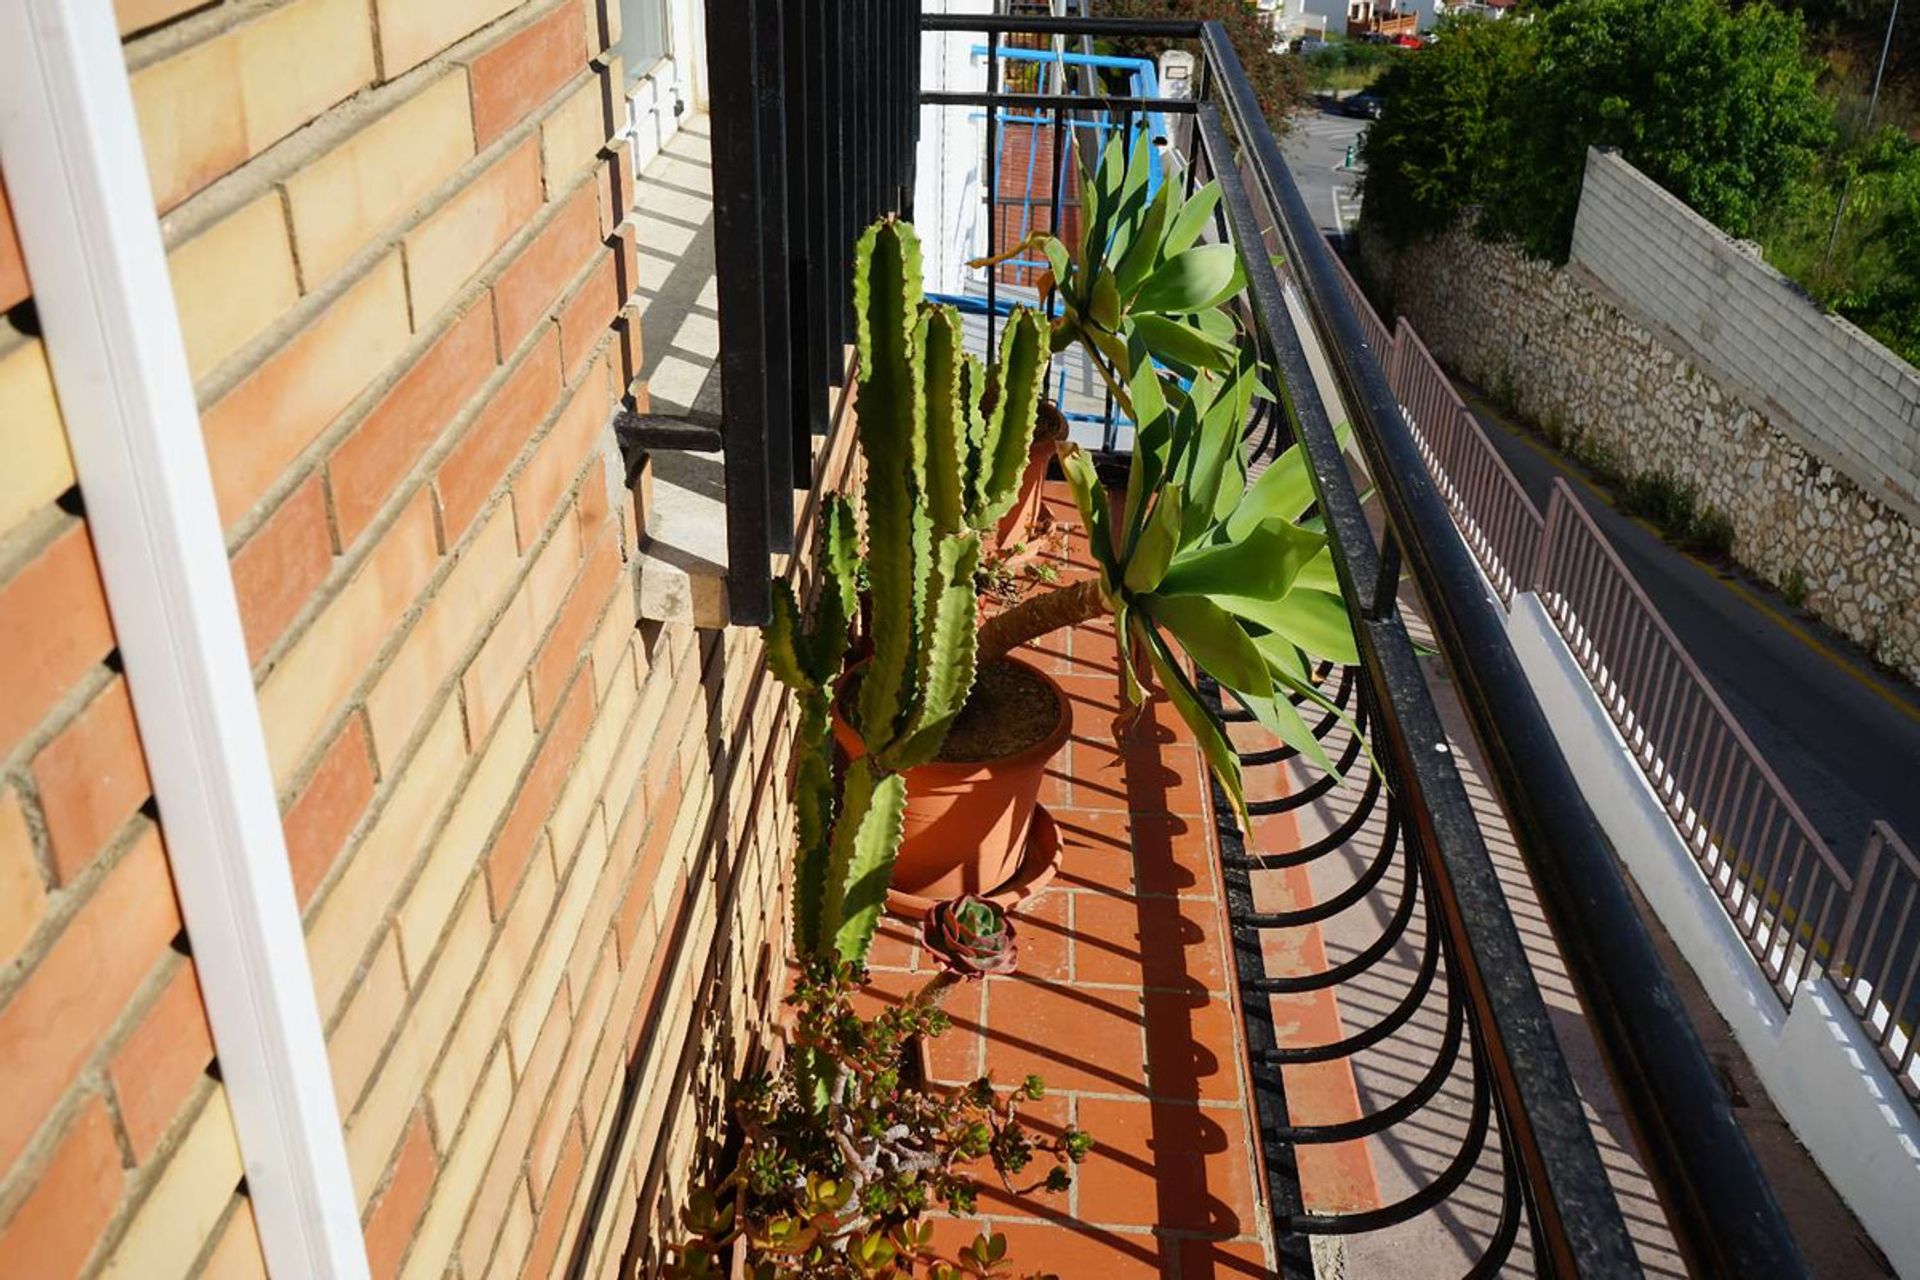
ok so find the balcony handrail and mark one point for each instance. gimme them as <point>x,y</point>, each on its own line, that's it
<point>1714,1192</point>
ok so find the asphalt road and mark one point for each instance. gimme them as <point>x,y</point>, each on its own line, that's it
<point>1844,739</point>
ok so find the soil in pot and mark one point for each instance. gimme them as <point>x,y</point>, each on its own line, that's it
<point>968,812</point>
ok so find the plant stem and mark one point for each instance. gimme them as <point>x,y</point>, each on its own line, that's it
<point>1040,615</point>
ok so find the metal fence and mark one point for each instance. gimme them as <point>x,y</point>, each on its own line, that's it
<point>1796,906</point>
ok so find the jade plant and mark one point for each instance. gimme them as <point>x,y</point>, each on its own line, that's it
<point>844,1189</point>
<point>945,438</point>
<point>1199,563</point>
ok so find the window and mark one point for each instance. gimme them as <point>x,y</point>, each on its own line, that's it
<point>643,36</point>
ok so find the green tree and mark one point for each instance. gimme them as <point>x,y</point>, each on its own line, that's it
<point>1446,139</point>
<point>1278,79</point>
<point>1717,106</point>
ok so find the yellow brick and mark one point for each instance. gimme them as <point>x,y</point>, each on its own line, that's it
<point>357,1041</point>
<point>185,1205</point>
<point>596,1001</point>
<point>236,1255</point>
<point>231,281</point>
<point>347,197</point>
<point>39,468</point>
<point>298,61</point>
<point>515,1236</point>
<point>571,138</point>
<point>453,1192</point>
<point>501,664</point>
<point>192,126</point>
<point>444,251</point>
<point>411,31</point>
<point>479,1026</point>
<point>446,627</point>
<point>544,979</point>
<point>458,850</point>
<point>23,896</point>
<point>358,904</point>
<point>305,689</point>
<point>611,641</point>
<point>261,425</point>
<point>589,776</point>
<point>373,1132</point>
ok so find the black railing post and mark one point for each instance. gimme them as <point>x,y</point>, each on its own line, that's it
<point>778,427</point>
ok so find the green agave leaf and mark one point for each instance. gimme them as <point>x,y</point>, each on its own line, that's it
<point>1190,281</point>
<point>1129,209</point>
<point>1057,259</point>
<point>1152,439</point>
<point>1090,496</point>
<point>1219,753</point>
<point>1314,620</point>
<point>1158,541</point>
<point>1261,563</point>
<point>1278,716</point>
<point>1175,340</point>
<point>865,842</point>
<point>1318,573</point>
<point>1213,639</point>
<point>1284,490</point>
<point>1187,227</point>
<point>1132,267</point>
<point>1104,309</point>
<point>1217,464</point>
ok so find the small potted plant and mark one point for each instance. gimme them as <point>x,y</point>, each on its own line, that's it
<point>842,1159</point>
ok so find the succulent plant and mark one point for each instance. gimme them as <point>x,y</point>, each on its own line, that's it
<point>945,439</point>
<point>971,937</point>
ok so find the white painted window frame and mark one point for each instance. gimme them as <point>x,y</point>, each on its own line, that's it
<point>77,182</point>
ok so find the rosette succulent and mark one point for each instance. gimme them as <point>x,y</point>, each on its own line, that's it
<point>971,936</point>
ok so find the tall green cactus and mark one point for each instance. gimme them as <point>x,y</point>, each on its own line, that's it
<point>945,440</point>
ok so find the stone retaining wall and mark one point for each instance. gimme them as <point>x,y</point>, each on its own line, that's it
<point>1561,351</point>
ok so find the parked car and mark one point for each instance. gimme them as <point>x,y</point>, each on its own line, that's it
<point>1365,105</point>
<point>1408,42</point>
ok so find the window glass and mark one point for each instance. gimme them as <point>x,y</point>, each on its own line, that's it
<point>643,35</point>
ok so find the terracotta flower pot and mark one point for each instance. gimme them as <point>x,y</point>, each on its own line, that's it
<point>967,822</point>
<point>1015,525</point>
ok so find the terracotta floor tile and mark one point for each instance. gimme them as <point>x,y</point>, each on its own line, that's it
<point>1074,1038</point>
<point>1173,854</point>
<point>1107,933</point>
<point>1183,944</point>
<point>959,1056</point>
<point>1070,1252</point>
<point>1211,1260</point>
<point>1041,927</point>
<point>1192,1047</point>
<point>895,946</point>
<point>1168,1165</point>
<point>1164,783</point>
<point>1098,853</point>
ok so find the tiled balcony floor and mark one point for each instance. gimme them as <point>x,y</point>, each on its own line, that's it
<point>1123,1002</point>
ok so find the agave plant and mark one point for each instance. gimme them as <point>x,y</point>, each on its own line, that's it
<point>945,438</point>
<point>1198,562</point>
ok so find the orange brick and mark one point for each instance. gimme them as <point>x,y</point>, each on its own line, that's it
<point>397,1209</point>
<point>13,268</point>
<point>23,896</point>
<point>589,313</point>
<point>57,1018</point>
<point>91,779</point>
<point>444,251</point>
<point>383,448</point>
<point>236,1255</point>
<point>469,476</point>
<point>555,662</point>
<point>137,15</point>
<point>553,1218</point>
<point>280,567</point>
<point>550,473</point>
<point>53,627</point>
<point>56,1228</point>
<point>524,70</point>
<point>157,1066</point>
<point>508,857</point>
<point>338,793</point>
<point>527,288</point>
<point>261,425</point>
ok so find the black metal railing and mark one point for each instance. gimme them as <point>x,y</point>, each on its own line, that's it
<point>1428,855</point>
<point>814,117</point>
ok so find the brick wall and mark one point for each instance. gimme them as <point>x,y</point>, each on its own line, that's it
<point>538,846</point>
<point>1846,398</point>
<point>117,1148</point>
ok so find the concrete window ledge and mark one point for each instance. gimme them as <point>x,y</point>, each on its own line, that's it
<point>683,550</point>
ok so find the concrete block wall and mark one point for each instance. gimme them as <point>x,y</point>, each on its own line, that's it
<point>539,847</point>
<point>1849,400</point>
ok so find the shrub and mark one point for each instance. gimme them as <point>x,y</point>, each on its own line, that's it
<point>1718,106</point>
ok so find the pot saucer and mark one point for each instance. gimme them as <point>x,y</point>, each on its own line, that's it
<point>1037,869</point>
